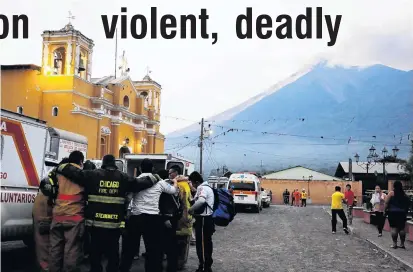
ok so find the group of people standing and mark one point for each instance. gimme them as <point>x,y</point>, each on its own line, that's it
<point>394,206</point>
<point>297,198</point>
<point>78,203</point>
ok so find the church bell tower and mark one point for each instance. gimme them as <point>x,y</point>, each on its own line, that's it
<point>67,52</point>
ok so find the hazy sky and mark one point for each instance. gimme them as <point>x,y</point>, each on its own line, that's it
<point>200,79</point>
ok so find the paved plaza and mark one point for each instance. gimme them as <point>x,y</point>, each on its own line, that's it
<point>280,238</point>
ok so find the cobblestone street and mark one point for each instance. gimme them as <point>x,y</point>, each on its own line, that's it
<point>280,238</point>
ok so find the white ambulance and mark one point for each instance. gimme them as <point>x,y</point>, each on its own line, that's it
<point>61,143</point>
<point>23,148</point>
<point>130,163</point>
<point>246,190</point>
<point>29,149</point>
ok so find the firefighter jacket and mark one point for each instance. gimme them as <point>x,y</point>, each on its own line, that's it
<point>70,202</point>
<point>42,212</point>
<point>106,191</point>
<point>49,187</point>
<point>185,222</point>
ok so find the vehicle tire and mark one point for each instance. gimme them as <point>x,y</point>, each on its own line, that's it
<point>257,209</point>
<point>29,242</point>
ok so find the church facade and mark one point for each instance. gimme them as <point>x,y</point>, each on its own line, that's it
<point>116,114</point>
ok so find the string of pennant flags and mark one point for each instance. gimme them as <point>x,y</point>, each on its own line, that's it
<point>398,138</point>
<point>273,119</point>
<point>349,139</point>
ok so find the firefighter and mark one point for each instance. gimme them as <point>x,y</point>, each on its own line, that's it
<point>88,165</point>
<point>42,217</point>
<point>106,189</point>
<point>68,226</point>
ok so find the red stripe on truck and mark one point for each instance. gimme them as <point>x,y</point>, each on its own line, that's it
<point>15,130</point>
<point>245,192</point>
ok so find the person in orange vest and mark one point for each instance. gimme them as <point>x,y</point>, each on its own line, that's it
<point>297,196</point>
<point>68,223</point>
<point>42,218</point>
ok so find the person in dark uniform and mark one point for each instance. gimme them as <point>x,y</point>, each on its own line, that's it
<point>106,189</point>
<point>88,165</point>
<point>169,208</point>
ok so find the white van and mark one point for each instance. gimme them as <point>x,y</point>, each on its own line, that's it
<point>246,189</point>
<point>218,182</point>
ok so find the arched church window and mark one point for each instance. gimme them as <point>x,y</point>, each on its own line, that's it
<point>126,101</point>
<point>103,147</point>
<point>123,150</point>
<point>55,111</point>
<point>150,98</point>
<point>59,61</point>
<point>145,97</point>
<point>82,65</point>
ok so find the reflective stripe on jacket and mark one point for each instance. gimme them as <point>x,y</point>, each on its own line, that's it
<point>106,190</point>
<point>70,201</point>
<point>105,211</point>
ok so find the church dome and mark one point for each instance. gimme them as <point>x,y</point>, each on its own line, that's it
<point>147,78</point>
<point>68,27</point>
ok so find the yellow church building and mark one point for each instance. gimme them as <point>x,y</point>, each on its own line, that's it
<point>116,114</point>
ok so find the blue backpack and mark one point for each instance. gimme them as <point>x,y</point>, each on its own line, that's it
<point>224,207</point>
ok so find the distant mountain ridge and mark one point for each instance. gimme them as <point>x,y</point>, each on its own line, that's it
<point>316,117</point>
<point>228,114</point>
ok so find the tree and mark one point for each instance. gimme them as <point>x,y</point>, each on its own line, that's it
<point>408,166</point>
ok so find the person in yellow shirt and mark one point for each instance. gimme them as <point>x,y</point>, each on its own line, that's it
<point>337,200</point>
<point>184,227</point>
<point>303,198</point>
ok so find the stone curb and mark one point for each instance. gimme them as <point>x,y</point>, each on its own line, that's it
<point>383,250</point>
<point>407,265</point>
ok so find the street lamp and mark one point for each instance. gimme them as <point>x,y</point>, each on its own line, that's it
<point>370,159</point>
<point>374,158</point>
<point>395,151</point>
<point>384,152</point>
<point>310,178</point>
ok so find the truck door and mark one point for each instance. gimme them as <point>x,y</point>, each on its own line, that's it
<point>120,165</point>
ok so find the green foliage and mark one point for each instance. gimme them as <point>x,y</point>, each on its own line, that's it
<point>408,165</point>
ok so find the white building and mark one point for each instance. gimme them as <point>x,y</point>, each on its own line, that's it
<point>300,173</point>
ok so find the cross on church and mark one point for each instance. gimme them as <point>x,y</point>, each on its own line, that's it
<point>70,17</point>
<point>124,65</point>
<point>148,71</point>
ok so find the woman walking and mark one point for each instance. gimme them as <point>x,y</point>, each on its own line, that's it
<point>397,206</point>
<point>377,200</point>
